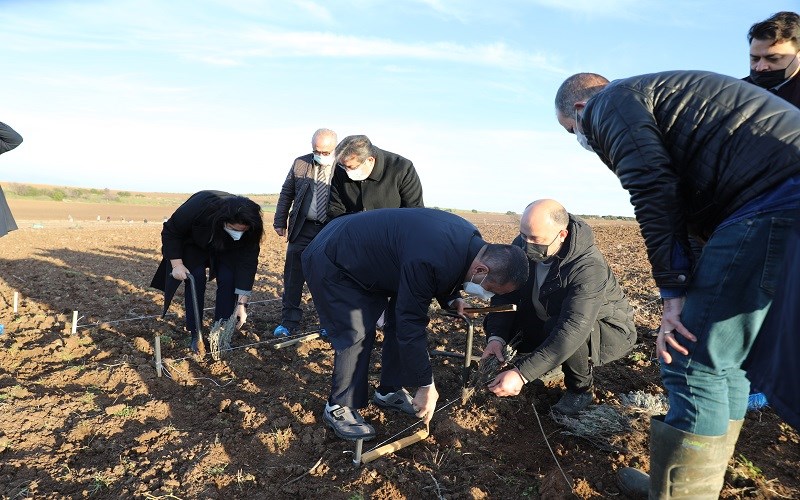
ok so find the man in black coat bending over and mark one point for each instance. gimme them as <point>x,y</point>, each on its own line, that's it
<point>368,177</point>
<point>410,257</point>
<point>571,309</point>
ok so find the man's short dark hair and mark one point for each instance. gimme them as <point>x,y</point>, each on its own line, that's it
<point>781,27</point>
<point>577,88</point>
<point>507,264</point>
<point>354,145</point>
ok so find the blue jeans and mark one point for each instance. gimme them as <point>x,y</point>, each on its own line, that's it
<point>726,302</point>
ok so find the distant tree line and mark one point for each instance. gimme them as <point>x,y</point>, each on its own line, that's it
<point>606,217</point>
<point>68,193</point>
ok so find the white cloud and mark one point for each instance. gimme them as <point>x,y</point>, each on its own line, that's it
<point>317,11</point>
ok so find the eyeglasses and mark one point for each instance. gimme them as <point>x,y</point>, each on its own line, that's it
<point>355,167</point>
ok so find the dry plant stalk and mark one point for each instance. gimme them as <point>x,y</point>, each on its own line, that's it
<point>219,339</point>
<point>489,368</point>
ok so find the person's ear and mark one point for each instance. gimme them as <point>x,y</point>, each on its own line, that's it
<point>580,105</point>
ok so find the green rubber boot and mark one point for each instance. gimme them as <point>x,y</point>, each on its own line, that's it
<point>682,465</point>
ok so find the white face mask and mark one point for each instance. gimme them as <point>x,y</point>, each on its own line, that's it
<point>477,290</point>
<point>582,139</point>
<point>236,235</point>
<point>360,173</point>
<point>325,161</point>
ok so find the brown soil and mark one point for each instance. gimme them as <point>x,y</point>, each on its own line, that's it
<point>84,414</point>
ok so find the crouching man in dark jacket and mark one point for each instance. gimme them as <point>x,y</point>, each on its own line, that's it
<point>571,310</point>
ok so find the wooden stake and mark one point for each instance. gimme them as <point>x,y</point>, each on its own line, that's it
<point>74,321</point>
<point>158,354</point>
<point>394,446</point>
<point>287,343</point>
<point>16,301</point>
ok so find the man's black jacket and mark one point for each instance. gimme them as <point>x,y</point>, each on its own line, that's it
<point>413,254</point>
<point>691,147</point>
<point>393,183</point>
<point>582,299</point>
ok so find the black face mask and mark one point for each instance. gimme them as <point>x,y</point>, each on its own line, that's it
<point>537,252</point>
<point>769,79</point>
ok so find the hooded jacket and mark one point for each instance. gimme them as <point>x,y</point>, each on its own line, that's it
<point>582,299</point>
<point>691,147</point>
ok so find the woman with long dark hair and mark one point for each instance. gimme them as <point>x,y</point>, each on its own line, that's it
<point>217,231</point>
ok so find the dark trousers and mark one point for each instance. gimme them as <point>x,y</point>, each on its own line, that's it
<point>348,313</point>
<point>577,369</point>
<point>293,277</point>
<point>225,300</point>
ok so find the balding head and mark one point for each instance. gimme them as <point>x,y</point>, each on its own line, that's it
<point>544,223</point>
<point>578,88</point>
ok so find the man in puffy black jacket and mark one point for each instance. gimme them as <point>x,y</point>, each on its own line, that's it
<point>570,310</point>
<point>717,158</point>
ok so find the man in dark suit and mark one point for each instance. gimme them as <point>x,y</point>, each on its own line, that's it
<point>369,178</point>
<point>305,190</point>
<point>408,257</point>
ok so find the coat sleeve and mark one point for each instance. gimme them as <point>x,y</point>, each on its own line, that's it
<point>9,138</point>
<point>416,290</point>
<point>335,204</point>
<point>411,189</point>
<point>179,226</point>
<point>245,268</point>
<point>623,126</point>
<point>574,324</point>
<point>285,200</point>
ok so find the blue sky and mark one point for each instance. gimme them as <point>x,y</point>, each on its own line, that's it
<point>183,95</point>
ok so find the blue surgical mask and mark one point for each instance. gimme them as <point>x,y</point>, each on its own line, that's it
<point>236,235</point>
<point>325,161</point>
<point>477,289</point>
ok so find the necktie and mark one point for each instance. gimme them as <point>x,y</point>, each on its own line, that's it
<point>321,192</point>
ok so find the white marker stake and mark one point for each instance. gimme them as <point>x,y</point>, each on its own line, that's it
<point>158,355</point>
<point>74,321</point>
<point>16,301</point>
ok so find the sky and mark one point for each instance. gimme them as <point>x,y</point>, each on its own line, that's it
<point>183,95</point>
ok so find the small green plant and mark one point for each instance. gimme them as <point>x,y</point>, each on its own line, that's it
<point>166,340</point>
<point>126,412</point>
<point>637,356</point>
<point>356,496</point>
<point>99,481</point>
<point>216,470</point>
<point>749,469</point>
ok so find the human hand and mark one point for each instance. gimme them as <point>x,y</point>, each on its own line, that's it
<point>458,304</point>
<point>425,402</point>
<point>281,231</point>
<point>671,323</point>
<point>507,383</point>
<point>180,272</point>
<point>241,315</point>
<point>494,348</point>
